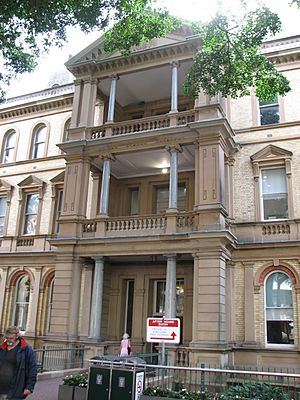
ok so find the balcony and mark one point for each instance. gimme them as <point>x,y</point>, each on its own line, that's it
<point>20,244</point>
<point>143,225</point>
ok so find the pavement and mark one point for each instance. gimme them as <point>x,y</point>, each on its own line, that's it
<point>46,389</point>
<point>47,384</point>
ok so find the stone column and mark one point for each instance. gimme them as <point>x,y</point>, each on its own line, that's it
<point>75,299</point>
<point>249,304</point>
<point>210,183</point>
<point>34,301</point>
<point>76,185</point>
<point>86,300</point>
<point>76,107</point>
<point>97,299</point>
<point>170,296</point>
<point>173,183</point>
<point>209,298</point>
<point>174,91</point>
<point>112,99</point>
<point>2,293</point>
<point>88,103</point>
<point>104,195</point>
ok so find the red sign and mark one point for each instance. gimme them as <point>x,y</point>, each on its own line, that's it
<point>163,330</point>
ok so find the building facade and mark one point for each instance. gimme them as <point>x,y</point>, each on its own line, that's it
<point>122,199</point>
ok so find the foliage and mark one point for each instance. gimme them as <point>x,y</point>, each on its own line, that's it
<point>182,394</point>
<point>76,380</point>
<point>254,391</point>
<point>230,60</point>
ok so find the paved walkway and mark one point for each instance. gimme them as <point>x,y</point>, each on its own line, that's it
<point>46,389</point>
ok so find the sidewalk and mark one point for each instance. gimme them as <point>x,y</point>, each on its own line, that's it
<point>46,389</point>
<point>47,384</point>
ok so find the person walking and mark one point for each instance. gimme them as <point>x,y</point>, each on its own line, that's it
<point>125,346</point>
<point>18,369</point>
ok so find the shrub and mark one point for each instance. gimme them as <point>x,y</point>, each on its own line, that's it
<point>254,391</point>
<point>76,380</point>
<point>156,391</point>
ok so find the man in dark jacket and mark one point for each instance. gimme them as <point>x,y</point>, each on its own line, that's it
<point>17,366</point>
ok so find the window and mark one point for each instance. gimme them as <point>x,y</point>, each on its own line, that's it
<point>274,193</point>
<point>159,297</point>
<point>38,148</point>
<point>134,202</point>
<point>9,148</point>
<point>3,203</point>
<point>31,212</point>
<point>22,302</point>
<point>162,199</point>
<point>279,309</point>
<point>269,112</point>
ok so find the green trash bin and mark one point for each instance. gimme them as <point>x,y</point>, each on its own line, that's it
<point>115,378</point>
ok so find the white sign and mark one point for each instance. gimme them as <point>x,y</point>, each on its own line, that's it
<point>139,384</point>
<point>163,330</point>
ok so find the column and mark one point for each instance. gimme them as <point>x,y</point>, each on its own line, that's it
<point>76,107</point>
<point>209,314</point>
<point>249,303</point>
<point>104,195</point>
<point>86,300</point>
<point>170,296</point>
<point>174,91</point>
<point>34,300</point>
<point>75,299</point>
<point>88,102</point>
<point>112,99</point>
<point>97,298</point>
<point>2,293</point>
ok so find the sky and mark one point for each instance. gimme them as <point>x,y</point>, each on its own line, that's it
<point>53,63</point>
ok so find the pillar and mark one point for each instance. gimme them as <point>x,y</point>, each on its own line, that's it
<point>174,90</point>
<point>97,299</point>
<point>112,99</point>
<point>104,195</point>
<point>88,103</point>
<point>170,296</point>
<point>86,300</point>
<point>249,303</point>
<point>75,299</point>
<point>209,312</point>
<point>76,107</point>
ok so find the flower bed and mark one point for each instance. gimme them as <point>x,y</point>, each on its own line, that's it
<point>73,387</point>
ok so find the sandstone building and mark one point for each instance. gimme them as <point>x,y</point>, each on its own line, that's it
<point>121,199</point>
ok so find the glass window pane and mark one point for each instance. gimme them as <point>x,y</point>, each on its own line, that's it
<point>274,181</point>
<point>269,112</point>
<point>9,148</point>
<point>32,203</point>
<point>39,142</point>
<point>279,290</point>
<point>274,193</point>
<point>30,224</point>
<point>22,302</point>
<point>3,203</point>
<point>279,309</point>
<point>162,199</point>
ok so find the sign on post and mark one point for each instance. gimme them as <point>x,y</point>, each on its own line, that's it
<point>165,330</point>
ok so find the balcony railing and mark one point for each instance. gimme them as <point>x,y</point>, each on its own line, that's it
<point>136,225</point>
<point>143,124</point>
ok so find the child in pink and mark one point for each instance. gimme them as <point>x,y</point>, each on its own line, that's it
<point>125,347</point>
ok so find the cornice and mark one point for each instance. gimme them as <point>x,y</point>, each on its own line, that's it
<point>36,107</point>
<point>139,59</point>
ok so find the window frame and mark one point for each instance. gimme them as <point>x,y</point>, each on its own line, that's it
<point>262,206</point>
<point>7,135</point>
<point>271,157</point>
<point>167,186</point>
<point>30,185</point>
<point>277,345</point>
<point>6,192</point>
<point>37,128</point>
<point>27,214</point>
<point>267,105</point>
<point>14,313</point>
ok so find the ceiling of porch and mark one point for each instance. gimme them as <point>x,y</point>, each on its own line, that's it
<point>145,163</point>
<point>146,85</point>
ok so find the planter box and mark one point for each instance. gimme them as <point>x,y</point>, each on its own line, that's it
<point>66,392</point>
<point>80,393</point>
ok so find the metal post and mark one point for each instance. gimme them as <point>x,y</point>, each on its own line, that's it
<point>202,378</point>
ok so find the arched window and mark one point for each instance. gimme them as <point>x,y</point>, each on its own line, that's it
<point>9,148</point>
<point>66,127</point>
<point>22,302</point>
<point>39,142</point>
<point>279,309</point>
